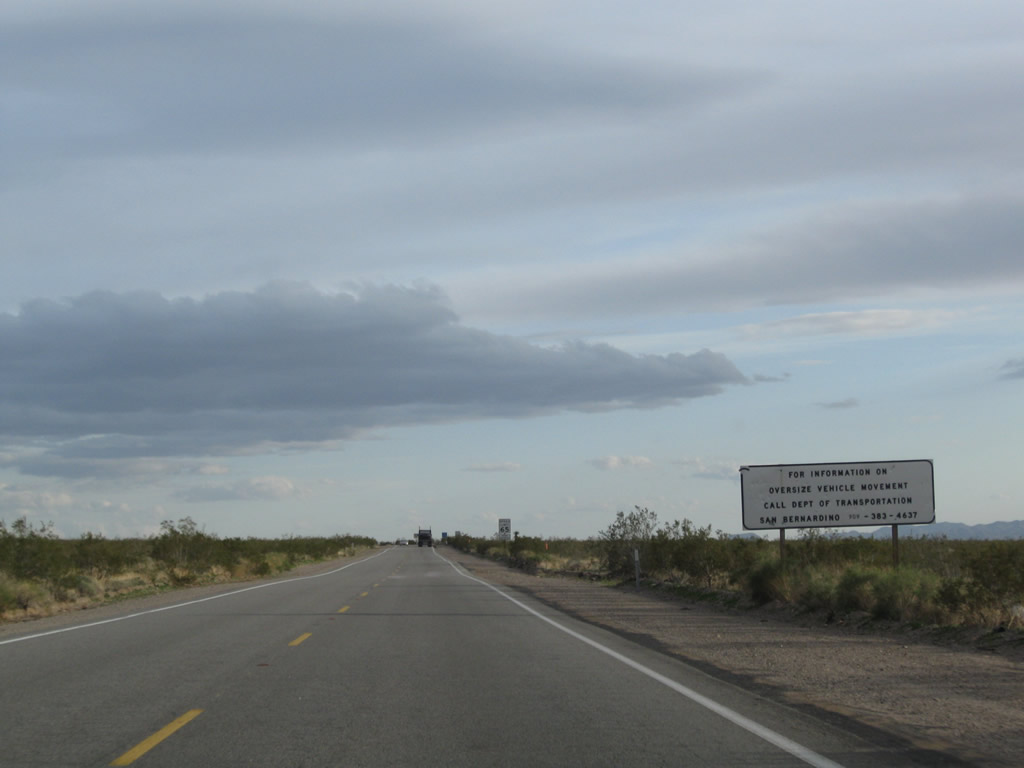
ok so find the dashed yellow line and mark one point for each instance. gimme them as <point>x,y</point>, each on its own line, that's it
<point>342,610</point>
<point>301,638</point>
<point>364,594</point>
<point>143,747</point>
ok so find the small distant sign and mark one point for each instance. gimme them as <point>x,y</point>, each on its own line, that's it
<point>837,495</point>
<point>444,534</point>
<point>504,528</point>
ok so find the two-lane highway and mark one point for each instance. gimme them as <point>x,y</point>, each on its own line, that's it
<point>400,658</point>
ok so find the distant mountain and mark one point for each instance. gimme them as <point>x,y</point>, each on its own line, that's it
<point>1013,529</point>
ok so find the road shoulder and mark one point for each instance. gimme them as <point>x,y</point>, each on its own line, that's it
<point>961,701</point>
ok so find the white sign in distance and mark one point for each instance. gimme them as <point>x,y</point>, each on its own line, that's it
<point>504,528</point>
<point>837,495</point>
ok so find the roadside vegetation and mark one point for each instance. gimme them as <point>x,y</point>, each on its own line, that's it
<point>940,582</point>
<point>41,573</point>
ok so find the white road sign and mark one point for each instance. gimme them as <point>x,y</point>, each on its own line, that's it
<point>837,495</point>
<point>504,529</point>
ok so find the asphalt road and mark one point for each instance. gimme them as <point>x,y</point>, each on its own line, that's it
<point>397,659</point>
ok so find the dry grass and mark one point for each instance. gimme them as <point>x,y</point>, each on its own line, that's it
<point>22,599</point>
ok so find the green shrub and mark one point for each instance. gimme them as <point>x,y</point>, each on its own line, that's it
<point>818,591</point>
<point>951,595</point>
<point>905,594</point>
<point>17,594</point>
<point>628,532</point>
<point>855,592</point>
<point>766,582</point>
<point>996,570</point>
<point>8,594</point>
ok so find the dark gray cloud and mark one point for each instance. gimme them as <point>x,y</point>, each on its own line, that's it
<point>106,375</point>
<point>251,136</point>
<point>850,402</point>
<point>1013,369</point>
<point>125,469</point>
<point>177,80</point>
<point>851,252</point>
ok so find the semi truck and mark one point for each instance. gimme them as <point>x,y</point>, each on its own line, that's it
<point>424,538</point>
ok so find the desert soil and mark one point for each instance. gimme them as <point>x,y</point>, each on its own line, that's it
<point>936,691</point>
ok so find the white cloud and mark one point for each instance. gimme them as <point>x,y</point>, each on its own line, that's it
<point>868,322</point>
<point>712,469</point>
<point>16,501</point>
<point>72,514</point>
<point>213,469</point>
<point>612,463</point>
<point>267,488</point>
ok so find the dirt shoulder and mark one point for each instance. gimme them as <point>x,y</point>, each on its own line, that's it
<point>130,604</point>
<point>952,697</point>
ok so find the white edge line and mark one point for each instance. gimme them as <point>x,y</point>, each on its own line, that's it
<point>190,602</point>
<point>797,750</point>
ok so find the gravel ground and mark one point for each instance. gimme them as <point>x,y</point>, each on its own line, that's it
<point>953,697</point>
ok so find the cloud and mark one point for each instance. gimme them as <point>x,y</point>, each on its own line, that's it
<point>55,464</point>
<point>115,376</point>
<point>186,81</point>
<point>269,488</point>
<point>710,469</point>
<point>84,459</point>
<point>213,469</point>
<point>73,515</point>
<point>17,501</point>
<point>869,322</point>
<point>850,402</point>
<point>505,466</point>
<point>1013,369</point>
<point>851,251</point>
<point>612,463</point>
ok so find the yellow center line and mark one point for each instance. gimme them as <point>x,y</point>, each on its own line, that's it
<point>376,585</point>
<point>300,638</point>
<point>143,747</point>
<point>342,610</point>
<point>364,594</point>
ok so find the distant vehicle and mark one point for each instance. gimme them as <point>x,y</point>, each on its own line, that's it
<point>424,538</point>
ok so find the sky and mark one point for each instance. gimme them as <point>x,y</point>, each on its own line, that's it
<point>316,268</point>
